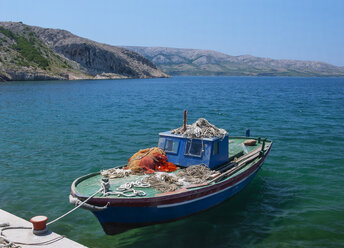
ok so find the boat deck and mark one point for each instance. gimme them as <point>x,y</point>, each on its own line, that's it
<point>91,184</point>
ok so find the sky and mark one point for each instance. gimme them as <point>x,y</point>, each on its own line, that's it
<point>279,29</point>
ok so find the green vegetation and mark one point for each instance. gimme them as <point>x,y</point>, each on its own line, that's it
<point>7,32</point>
<point>26,48</point>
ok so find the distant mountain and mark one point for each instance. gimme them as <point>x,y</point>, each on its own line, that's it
<point>176,61</point>
<point>35,53</point>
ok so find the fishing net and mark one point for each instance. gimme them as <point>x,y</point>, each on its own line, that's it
<point>200,129</point>
<point>164,183</point>
<point>145,161</point>
<point>115,173</point>
<point>150,160</point>
<point>196,174</point>
<point>170,182</point>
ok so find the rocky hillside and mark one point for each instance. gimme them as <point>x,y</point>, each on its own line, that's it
<point>35,53</point>
<point>175,61</point>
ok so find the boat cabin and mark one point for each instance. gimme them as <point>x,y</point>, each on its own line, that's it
<point>183,151</point>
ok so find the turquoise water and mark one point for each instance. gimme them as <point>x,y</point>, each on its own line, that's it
<point>53,132</point>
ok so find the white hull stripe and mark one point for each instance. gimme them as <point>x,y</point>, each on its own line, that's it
<point>203,197</point>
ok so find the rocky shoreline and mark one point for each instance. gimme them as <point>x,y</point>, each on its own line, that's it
<point>35,53</point>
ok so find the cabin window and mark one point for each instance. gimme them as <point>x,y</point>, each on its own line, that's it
<point>194,148</point>
<point>171,146</point>
<point>216,148</point>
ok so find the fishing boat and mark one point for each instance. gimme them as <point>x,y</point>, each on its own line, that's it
<point>122,200</point>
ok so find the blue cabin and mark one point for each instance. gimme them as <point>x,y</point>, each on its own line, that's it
<point>185,152</point>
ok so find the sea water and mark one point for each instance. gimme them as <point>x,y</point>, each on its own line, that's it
<point>52,132</point>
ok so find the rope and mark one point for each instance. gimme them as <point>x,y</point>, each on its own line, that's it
<point>43,242</point>
<point>12,227</point>
<point>70,211</point>
<point>14,244</point>
<point>126,189</point>
<point>127,193</point>
<point>129,185</point>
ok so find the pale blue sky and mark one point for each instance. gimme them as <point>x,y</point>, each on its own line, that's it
<point>289,29</point>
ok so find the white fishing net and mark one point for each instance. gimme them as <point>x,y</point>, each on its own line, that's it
<point>194,174</point>
<point>167,182</point>
<point>201,129</point>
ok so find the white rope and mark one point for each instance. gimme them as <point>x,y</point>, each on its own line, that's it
<point>127,190</point>
<point>15,244</point>
<point>127,193</point>
<point>51,222</point>
<point>137,184</point>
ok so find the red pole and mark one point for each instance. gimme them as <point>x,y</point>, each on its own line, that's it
<point>185,115</point>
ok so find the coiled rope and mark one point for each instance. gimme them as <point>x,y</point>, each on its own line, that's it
<point>126,189</point>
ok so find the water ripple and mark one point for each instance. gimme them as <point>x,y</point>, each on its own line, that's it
<point>53,132</point>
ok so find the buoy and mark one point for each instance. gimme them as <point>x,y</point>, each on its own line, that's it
<point>39,224</point>
<point>250,142</point>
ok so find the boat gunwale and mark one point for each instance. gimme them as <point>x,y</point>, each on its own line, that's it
<point>171,198</point>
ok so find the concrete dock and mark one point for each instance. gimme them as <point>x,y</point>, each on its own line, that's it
<point>23,237</point>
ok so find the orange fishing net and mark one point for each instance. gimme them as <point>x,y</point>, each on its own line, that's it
<point>150,160</point>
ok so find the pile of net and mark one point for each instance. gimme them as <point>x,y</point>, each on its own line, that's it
<point>163,182</point>
<point>145,161</point>
<point>150,160</point>
<point>195,174</point>
<point>167,182</point>
<point>200,129</point>
<point>115,173</point>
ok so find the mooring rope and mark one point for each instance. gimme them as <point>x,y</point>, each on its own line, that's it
<point>15,244</point>
<point>43,242</point>
<point>72,210</point>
